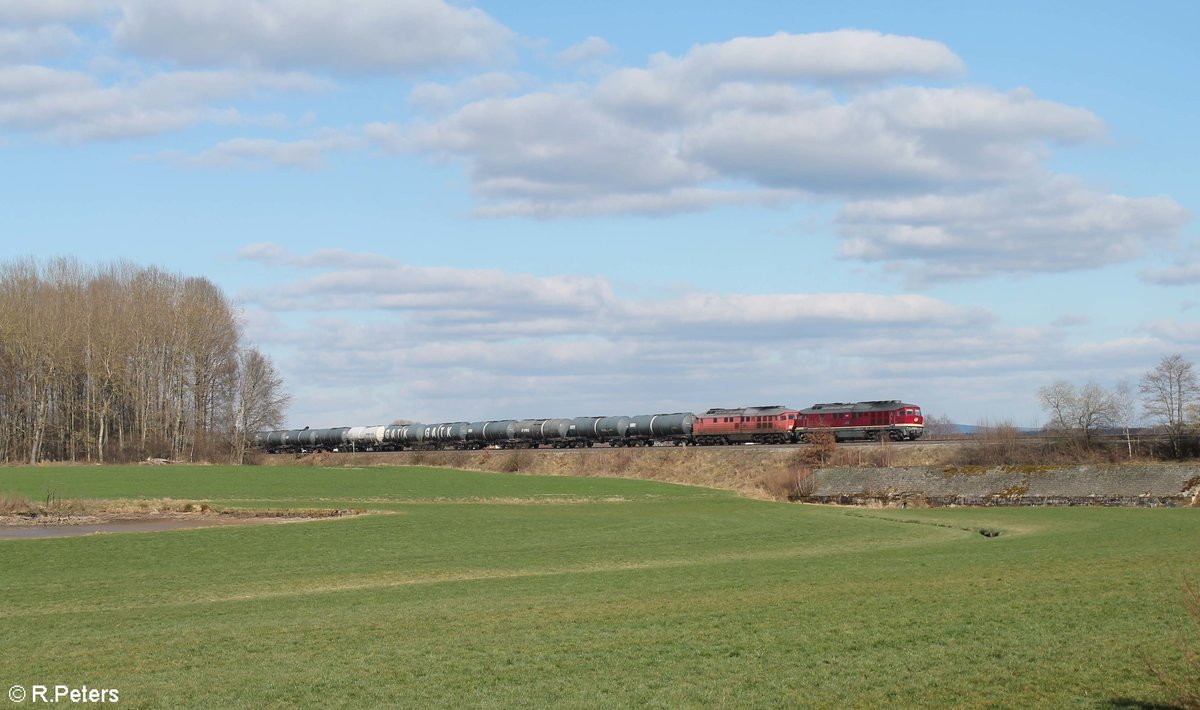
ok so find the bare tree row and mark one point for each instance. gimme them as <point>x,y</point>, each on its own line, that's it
<point>1170,400</point>
<point>122,361</point>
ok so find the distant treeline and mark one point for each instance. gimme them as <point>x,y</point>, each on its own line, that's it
<point>122,362</point>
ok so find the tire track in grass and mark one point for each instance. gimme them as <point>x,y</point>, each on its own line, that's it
<point>389,581</point>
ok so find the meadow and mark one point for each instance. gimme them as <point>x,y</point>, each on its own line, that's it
<point>495,590</point>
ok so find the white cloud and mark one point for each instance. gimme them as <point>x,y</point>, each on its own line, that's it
<point>554,146</point>
<point>844,55</point>
<point>306,153</point>
<point>898,140</point>
<point>731,123</point>
<point>364,36</point>
<point>31,13</point>
<point>75,107</point>
<point>589,50</point>
<point>49,40</point>
<point>1050,225</point>
<point>442,97</point>
<point>1178,335</point>
<point>456,304</point>
<point>1181,274</point>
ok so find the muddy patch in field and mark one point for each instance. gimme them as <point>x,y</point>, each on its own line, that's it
<point>30,526</point>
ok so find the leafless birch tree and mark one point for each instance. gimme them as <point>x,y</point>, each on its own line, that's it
<point>1167,390</point>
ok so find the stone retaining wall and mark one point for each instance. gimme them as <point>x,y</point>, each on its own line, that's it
<point>1157,485</point>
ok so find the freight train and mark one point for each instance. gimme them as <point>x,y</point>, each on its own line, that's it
<point>885,419</point>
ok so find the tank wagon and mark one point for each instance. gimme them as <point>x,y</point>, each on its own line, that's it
<point>777,424</point>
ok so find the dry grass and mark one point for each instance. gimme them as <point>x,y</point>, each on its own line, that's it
<point>796,481</point>
<point>1184,687</point>
<point>16,509</point>
<point>14,505</point>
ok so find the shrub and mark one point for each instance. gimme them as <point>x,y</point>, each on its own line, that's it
<point>517,460</point>
<point>795,481</point>
<point>821,446</point>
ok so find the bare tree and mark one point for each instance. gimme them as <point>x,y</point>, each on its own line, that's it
<point>1078,412</point>
<point>941,428</point>
<point>1126,412</point>
<point>119,360</point>
<point>1168,389</point>
<point>259,401</point>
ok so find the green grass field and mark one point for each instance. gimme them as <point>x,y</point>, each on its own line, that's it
<point>491,590</point>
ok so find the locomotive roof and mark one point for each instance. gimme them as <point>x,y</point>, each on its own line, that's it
<point>751,411</point>
<point>883,405</point>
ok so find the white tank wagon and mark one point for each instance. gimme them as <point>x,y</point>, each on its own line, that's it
<point>366,438</point>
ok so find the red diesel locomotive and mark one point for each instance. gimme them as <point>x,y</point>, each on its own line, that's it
<point>758,425</point>
<point>891,418</point>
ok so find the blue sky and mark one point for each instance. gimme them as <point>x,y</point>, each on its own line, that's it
<point>442,211</point>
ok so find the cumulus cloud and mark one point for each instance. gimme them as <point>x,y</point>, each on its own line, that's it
<point>589,50</point>
<point>492,304</point>
<point>1183,335</point>
<point>440,97</point>
<point>1049,225</point>
<point>900,140</point>
<point>936,181</point>
<point>746,122</point>
<point>51,40</point>
<point>304,154</point>
<point>844,55</point>
<point>555,146</point>
<point>364,36</point>
<point>1182,274</point>
<point>30,13</point>
<point>74,106</point>
<point>231,50</point>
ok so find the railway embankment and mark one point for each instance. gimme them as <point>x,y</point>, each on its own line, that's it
<point>778,473</point>
<point>1144,485</point>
